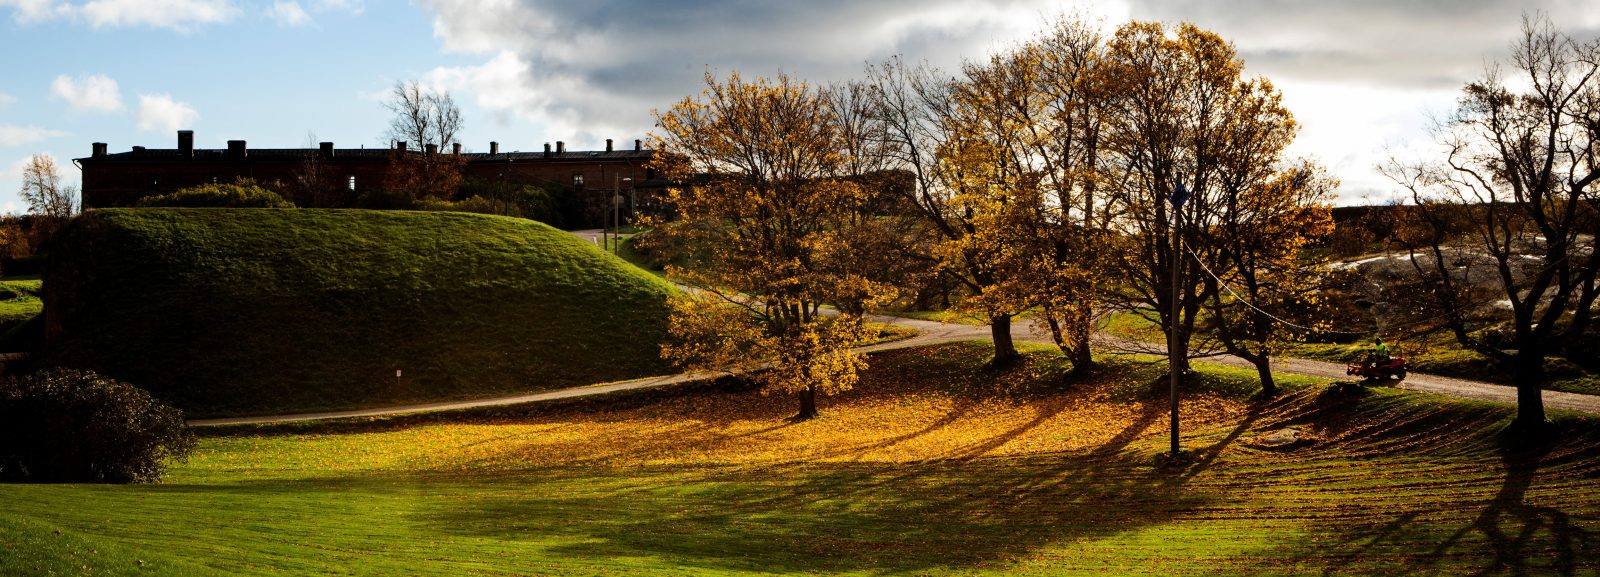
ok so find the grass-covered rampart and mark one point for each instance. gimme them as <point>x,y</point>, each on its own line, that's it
<point>259,311</point>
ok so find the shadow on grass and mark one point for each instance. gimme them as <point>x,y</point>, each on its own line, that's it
<point>1537,522</point>
<point>834,517</point>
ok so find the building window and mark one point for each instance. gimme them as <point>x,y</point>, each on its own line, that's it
<point>352,182</point>
<point>577,180</point>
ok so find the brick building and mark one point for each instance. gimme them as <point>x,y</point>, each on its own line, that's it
<point>596,178</point>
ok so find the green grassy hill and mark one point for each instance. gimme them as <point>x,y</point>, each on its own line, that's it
<point>253,311</point>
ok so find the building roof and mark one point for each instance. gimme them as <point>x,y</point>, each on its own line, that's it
<point>366,153</point>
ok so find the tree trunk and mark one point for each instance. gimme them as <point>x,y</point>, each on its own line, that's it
<point>1004,350</point>
<point>1263,365</point>
<point>1074,346</point>
<point>1082,355</point>
<point>1529,374</point>
<point>808,404</point>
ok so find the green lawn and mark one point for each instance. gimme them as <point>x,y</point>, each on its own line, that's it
<point>934,465</point>
<point>252,311</point>
<point>19,301</point>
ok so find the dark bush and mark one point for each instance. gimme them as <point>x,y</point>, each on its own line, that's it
<point>70,426</point>
<point>243,193</point>
<point>384,199</point>
<point>475,205</point>
<point>25,336</point>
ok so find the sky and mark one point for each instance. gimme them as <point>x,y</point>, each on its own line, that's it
<point>1363,77</point>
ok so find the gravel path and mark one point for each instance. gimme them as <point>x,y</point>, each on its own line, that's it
<point>934,332</point>
<point>931,332</point>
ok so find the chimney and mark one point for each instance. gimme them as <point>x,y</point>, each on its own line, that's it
<point>326,149</point>
<point>561,147</point>
<point>99,149</point>
<point>431,148</point>
<point>236,148</point>
<point>494,148</point>
<point>638,145</point>
<point>185,143</point>
<point>547,150</point>
<point>455,148</point>
<point>608,145</point>
<point>138,149</point>
<point>400,145</point>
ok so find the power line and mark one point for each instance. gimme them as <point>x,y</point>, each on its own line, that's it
<point>1247,303</point>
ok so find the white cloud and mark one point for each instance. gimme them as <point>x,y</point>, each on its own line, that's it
<point>160,113</point>
<point>298,14</point>
<point>32,11</point>
<point>289,14</point>
<point>179,15</point>
<point>504,85</point>
<point>14,171</point>
<point>13,136</point>
<point>1391,120</point>
<point>174,14</point>
<point>348,6</point>
<point>7,99</point>
<point>98,93</point>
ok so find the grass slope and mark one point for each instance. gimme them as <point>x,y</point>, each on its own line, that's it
<point>19,301</point>
<point>934,465</point>
<point>254,311</point>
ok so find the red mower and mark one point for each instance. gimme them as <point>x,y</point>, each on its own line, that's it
<point>1374,369</point>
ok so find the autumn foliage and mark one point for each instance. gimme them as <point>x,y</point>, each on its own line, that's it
<point>1039,180</point>
<point>771,220</point>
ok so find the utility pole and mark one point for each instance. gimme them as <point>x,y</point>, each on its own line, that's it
<point>616,213</point>
<point>1179,194</point>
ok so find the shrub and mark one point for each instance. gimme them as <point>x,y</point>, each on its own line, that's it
<point>385,199</point>
<point>475,204</point>
<point>242,193</point>
<point>68,426</point>
<point>556,206</point>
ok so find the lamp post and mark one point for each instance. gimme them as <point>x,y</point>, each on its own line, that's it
<point>1179,194</point>
<point>616,212</point>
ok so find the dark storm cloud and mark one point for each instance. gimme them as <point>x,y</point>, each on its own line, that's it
<point>1409,44</point>
<point>603,63</point>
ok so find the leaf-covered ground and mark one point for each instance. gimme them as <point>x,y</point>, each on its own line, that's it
<point>936,465</point>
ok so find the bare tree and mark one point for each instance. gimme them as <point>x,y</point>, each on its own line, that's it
<point>427,120</point>
<point>422,116</point>
<point>1516,194</point>
<point>51,204</point>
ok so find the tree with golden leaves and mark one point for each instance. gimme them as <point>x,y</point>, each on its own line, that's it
<point>1267,295</point>
<point>929,134</point>
<point>767,224</point>
<point>1060,227</point>
<point>1179,111</point>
